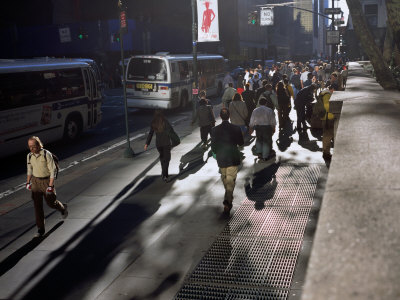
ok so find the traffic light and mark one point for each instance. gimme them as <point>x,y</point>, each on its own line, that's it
<point>252,18</point>
<point>82,35</point>
<point>116,37</point>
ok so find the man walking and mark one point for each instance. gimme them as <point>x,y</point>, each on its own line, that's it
<point>225,139</point>
<point>41,171</point>
<point>228,95</point>
<point>303,99</point>
<point>263,122</point>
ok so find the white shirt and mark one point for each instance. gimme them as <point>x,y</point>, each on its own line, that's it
<point>262,116</point>
<point>247,76</point>
<point>303,76</point>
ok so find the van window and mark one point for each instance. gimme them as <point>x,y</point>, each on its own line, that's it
<point>149,69</point>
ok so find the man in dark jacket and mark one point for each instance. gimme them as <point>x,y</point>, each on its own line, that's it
<point>303,98</point>
<point>206,118</point>
<point>225,139</point>
<point>250,100</point>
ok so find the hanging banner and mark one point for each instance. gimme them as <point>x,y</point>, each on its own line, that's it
<point>207,21</point>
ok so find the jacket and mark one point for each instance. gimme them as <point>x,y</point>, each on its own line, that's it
<point>224,141</point>
<point>326,96</point>
<point>305,96</point>
<point>205,114</point>
<point>162,138</point>
<point>228,95</point>
<point>238,112</point>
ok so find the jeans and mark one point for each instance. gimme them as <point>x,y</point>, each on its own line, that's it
<point>264,140</point>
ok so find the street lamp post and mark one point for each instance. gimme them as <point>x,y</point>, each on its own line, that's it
<point>333,46</point>
<point>195,75</point>
<point>123,28</point>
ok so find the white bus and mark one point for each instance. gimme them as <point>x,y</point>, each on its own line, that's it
<point>50,98</point>
<point>165,81</point>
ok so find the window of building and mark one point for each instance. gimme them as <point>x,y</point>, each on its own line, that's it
<point>371,14</point>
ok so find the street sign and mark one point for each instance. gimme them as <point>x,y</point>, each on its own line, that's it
<point>266,17</point>
<point>65,34</point>
<point>332,37</point>
<point>338,22</point>
<point>195,91</point>
<point>332,10</point>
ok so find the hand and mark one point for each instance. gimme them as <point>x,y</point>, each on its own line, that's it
<point>28,186</point>
<point>145,147</point>
<point>50,190</point>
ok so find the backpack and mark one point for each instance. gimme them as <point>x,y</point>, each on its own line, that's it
<point>319,108</point>
<point>55,159</point>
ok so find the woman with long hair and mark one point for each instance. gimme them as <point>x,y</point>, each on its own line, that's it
<point>162,128</point>
<point>238,113</point>
<point>283,104</point>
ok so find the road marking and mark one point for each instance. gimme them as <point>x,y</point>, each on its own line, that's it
<point>74,163</point>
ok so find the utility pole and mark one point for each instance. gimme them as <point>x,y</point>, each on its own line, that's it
<point>333,46</point>
<point>195,90</point>
<point>123,28</point>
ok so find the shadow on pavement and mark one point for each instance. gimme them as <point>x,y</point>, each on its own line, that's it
<point>192,161</point>
<point>9,262</point>
<point>89,259</point>
<point>304,141</point>
<point>263,185</point>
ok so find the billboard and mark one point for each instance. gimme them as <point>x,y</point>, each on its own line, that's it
<point>207,20</point>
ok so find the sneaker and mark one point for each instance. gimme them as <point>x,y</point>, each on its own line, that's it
<point>64,214</point>
<point>39,234</point>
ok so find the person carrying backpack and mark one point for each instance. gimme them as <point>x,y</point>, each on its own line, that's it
<point>206,118</point>
<point>41,172</point>
<point>321,109</point>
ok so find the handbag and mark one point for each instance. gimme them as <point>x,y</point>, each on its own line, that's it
<point>175,140</point>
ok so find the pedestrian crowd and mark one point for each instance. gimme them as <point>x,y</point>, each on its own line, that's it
<point>250,107</point>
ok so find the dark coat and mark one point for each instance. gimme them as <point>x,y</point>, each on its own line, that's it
<point>205,114</point>
<point>224,141</point>
<point>162,138</point>
<point>305,96</point>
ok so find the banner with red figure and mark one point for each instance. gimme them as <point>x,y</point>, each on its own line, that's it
<point>207,20</point>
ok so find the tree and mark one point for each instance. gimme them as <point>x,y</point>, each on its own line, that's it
<point>383,74</point>
<point>393,13</point>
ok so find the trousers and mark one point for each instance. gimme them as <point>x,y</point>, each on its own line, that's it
<point>327,135</point>
<point>264,140</point>
<point>39,186</point>
<point>228,176</point>
<point>165,157</point>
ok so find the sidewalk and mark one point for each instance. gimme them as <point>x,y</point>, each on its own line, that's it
<point>356,253</point>
<point>129,235</point>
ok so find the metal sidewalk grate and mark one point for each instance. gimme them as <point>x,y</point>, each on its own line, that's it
<point>255,255</point>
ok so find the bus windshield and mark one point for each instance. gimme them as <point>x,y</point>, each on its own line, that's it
<point>149,69</point>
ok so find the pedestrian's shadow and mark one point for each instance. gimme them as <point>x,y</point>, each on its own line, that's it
<point>304,141</point>
<point>262,186</point>
<point>193,160</point>
<point>285,137</point>
<point>10,261</point>
<point>97,244</point>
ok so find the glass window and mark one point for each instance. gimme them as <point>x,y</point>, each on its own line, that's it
<point>70,83</point>
<point>21,89</point>
<point>149,69</point>
<point>371,14</point>
<point>183,70</point>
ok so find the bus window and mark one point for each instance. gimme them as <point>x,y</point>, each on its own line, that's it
<point>183,70</point>
<point>147,69</point>
<point>21,89</point>
<point>71,83</point>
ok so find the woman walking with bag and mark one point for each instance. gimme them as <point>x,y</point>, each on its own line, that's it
<point>238,113</point>
<point>166,138</point>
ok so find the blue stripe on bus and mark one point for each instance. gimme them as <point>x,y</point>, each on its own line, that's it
<point>70,103</point>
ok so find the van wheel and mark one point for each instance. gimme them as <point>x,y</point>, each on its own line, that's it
<point>73,128</point>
